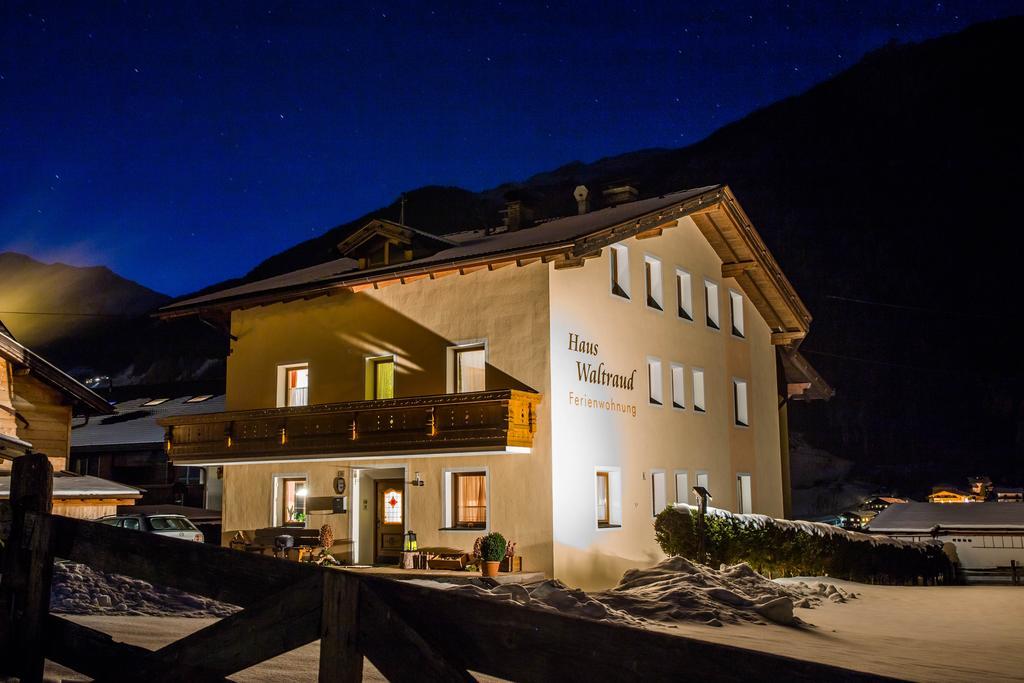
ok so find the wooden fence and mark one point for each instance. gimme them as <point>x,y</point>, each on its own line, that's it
<point>409,632</point>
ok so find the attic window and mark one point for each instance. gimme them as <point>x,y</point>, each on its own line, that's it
<point>200,398</point>
<point>155,402</point>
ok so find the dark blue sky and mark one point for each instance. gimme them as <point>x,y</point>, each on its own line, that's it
<point>181,143</point>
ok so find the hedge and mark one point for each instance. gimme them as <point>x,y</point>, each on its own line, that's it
<point>777,547</point>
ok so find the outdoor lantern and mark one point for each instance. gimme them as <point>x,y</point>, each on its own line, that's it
<point>410,540</point>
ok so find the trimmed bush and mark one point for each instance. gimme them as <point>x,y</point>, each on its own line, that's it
<point>778,547</point>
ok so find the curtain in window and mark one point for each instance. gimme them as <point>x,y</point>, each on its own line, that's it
<point>602,497</point>
<point>384,380</point>
<point>470,370</point>
<point>471,499</point>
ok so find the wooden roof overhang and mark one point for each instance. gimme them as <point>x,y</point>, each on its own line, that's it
<point>26,360</point>
<point>477,422</point>
<point>716,213</point>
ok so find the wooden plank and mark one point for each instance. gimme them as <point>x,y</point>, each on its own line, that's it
<point>27,570</point>
<point>397,650</point>
<point>734,269</point>
<point>340,658</point>
<point>278,623</point>
<point>787,337</point>
<point>523,644</point>
<point>88,651</point>
<point>200,568</point>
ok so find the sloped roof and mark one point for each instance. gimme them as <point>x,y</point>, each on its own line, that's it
<point>135,424</point>
<point>80,395</point>
<point>922,517</point>
<point>71,485</point>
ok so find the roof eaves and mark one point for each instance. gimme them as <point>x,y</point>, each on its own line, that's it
<point>20,354</point>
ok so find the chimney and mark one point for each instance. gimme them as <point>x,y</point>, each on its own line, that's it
<point>620,194</point>
<point>582,203</point>
<point>517,215</point>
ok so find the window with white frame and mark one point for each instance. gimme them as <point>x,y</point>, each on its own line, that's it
<point>703,479</point>
<point>466,496</point>
<point>711,305</point>
<point>744,501</point>
<point>682,487</point>
<point>697,387</point>
<point>380,377</point>
<point>652,281</point>
<point>293,385</point>
<point>739,393</point>
<point>468,365</point>
<point>654,381</point>
<point>659,497</point>
<point>684,294</point>
<point>736,313</point>
<point>608,497</point>
<point>290,494</point>
<point>619,257</point>
<point>678,388</point>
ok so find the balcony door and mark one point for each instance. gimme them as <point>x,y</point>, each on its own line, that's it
<point>390,522</point>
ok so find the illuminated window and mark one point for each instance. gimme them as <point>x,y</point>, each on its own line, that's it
<point>711,304</point>
<point>682,487</point>
<point>658,493</point>
<point>678,389</point>
<point>292,497</point>
<point>380,377</point>
<point>739,392</point>
<point>654,381</point>
<point>736,313</point>
<point>469,368</point>
<point>744,499</point>
<point>619,257</point>
<point>293,385</point>
<point>200,399</point>
<point>684,294</point>
<point>652,281</point>
<point>697,386</point>
<point>608,497</point>
<point>155,402</point>
<point>392,505</point>
<point>468,500</point>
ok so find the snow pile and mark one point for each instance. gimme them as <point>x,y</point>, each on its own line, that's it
<point>79,589</point>
<point>673,591</point>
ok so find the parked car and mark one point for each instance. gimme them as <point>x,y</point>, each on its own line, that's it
<point>175,526</point>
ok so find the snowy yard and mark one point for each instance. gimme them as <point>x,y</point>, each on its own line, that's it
<point>921,633</point>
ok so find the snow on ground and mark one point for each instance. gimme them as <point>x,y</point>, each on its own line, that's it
<point>673,591</point>
<point>79,589</point>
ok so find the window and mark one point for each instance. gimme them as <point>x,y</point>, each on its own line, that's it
<point>380,377</point>
<point>293,385</point>
<point>201,398</point>
<point>132,523</point>
<point>678,389</point>
<point>155,402</point>
<point>739,393</point>
<point>682,487</point>
<point>711,304</point>
<point>468,364</point>
<point>744,501</point>
<point>658,492</point>
<point>189,475</point>
<point>466,500</point>
<point>608,497</point>
<point>697,386</point>
<point>291,500</point>
<point>619,257</point>
<point>654,380</point>
<point>736,313</point>
<point>391,503</point>
<point>652,280</point>
<point>684,294</point>
<point>703,480</point>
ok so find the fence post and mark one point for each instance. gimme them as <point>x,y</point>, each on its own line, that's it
<point>340,658</point>
<point>27,570</point>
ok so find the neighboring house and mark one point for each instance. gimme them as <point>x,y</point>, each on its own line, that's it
<point>128,447</point>
<point>37,401</point>
<point>1006,494</point>
<point>879,503</point>
<point>559,383</point>
<point>949,494</point>
<point>986,535</point>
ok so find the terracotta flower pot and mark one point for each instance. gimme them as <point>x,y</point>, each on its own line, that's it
<point>489,568</point>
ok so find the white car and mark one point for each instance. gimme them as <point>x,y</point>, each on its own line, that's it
<point>175,526</point>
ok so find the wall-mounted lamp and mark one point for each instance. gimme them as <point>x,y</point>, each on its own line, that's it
<point>418,480</point>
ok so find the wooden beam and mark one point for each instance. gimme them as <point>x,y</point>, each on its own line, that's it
<point>397,650</point>
<point>278,623</point>
<point>734,269</point>
<point>360,288</point>
<point>470,269</point>
<point>228,575</point>
<point>91,652</point>
<point>434,275</point>
<point>340,658</point>
<point>499,264</point>
<point>526,261</point>
<point>27,570</point>
<point>648,234</point>
<point>387,283</point>
<point>569,262</point>
<point>783,338</point>
<point>413,278</point>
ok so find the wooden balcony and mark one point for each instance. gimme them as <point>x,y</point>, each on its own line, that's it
<point>484,421</point>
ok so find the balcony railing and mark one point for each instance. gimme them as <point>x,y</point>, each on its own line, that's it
<point>478,421</point>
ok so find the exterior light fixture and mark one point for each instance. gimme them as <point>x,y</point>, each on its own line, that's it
<point>410,541</point>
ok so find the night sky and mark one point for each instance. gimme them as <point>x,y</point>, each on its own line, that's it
<point>181,143</point>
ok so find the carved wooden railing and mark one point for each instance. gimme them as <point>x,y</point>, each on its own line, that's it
<point>484,420</point>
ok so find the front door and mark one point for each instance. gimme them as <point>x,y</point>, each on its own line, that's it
<point>388,540</point>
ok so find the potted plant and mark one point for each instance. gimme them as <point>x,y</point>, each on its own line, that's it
<point>490,550</point>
